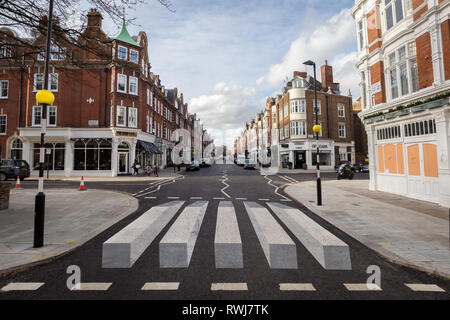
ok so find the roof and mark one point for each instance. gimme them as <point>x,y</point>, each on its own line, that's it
<point>124,35</point>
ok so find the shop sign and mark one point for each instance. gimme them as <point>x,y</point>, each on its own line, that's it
<point>321,146</point>
<point>126,134</point>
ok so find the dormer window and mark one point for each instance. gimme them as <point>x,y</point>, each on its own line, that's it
<point>134,56</point>
<point>122,53</point>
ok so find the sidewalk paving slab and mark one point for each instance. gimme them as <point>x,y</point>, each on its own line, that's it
<point>71,219</point>
<point>408,232</point>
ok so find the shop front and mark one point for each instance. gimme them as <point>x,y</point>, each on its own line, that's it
<point>85,151</point>
<point>303,154</point>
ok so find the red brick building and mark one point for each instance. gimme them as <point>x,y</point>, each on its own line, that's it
<point>109,108</point>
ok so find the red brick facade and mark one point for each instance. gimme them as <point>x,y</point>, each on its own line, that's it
<point>424,61</point>
<point>445,31</point>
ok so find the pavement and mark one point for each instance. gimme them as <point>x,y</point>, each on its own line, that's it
<point>162,174</point>
<point>408,232</point>
<point>72,218</point>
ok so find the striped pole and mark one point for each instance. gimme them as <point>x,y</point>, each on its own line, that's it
<point>39,205</point>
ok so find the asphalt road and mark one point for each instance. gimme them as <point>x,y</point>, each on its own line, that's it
<point>215,184</point>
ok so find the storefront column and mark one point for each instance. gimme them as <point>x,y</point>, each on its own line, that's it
<point>309,159</point>
<point>371,147</point>
<point>68,158</point>
<point>443,144</point>
<point>132,153</point>
<point>292,158</point>
<point>27,153</point>
<point>114,157</point>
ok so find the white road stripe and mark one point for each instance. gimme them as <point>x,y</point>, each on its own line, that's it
<point>150,197</point>
<point>286,179</point>
<point>285,200</point>
<point>292,179</point>
<point>362,287</point>
<point>219,198</point>
<point>22,286</point>
<point>424,287</point>
<point>297,287</point>
<point>173,198</point>
<point>196,198</point>
<point>241,199</point>
<point>92,286</point>
<point>276,188</point>
<point>161,286</point>
<point>263,199</point>
<point>229,286</point>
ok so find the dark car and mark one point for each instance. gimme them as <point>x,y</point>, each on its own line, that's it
<point>194,165</point>
<point>12,168</point>
<point>363,168</point>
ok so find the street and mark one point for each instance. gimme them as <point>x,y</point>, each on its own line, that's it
<point>257,280</point>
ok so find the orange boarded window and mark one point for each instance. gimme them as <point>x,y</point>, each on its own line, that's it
<point>413,160</point>
<point>380,159</point>
<point>400,159</point>
<point>390,156</point>
<point>430,162</point>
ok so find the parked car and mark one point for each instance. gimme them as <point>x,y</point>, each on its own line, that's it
<point>194,166</point>
<point>363,168</point>
<point>205,163</point>
<point>249,164</point>
<point>12,168</point>
<point>240,161</point>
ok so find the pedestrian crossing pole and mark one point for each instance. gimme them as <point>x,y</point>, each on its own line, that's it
<point>317,128</point>
<point>45,98</point>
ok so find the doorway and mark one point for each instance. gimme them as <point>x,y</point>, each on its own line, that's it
<point>123,162</point>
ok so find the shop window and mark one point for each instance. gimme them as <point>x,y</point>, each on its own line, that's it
<point>430,162</point>
<point>413,160</point>
<point>92,155</point>
<point>324,158</point>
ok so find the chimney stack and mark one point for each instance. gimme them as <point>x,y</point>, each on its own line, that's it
<point>300,74</point>
<point>94,18</point>
<point>327,76</point>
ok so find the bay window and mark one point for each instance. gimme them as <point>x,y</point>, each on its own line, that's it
<point>121,83</point>
<point>121,112</point>
<point>393,11</point>
<point>122,53</point>
<point>133,85</point>
<point>134,56</point>
<point>132,117</point>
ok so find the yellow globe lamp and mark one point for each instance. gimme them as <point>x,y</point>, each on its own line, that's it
<point>45,97</point>
<point>317,128</point>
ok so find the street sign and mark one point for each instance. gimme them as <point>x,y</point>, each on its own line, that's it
<point>48,151</point>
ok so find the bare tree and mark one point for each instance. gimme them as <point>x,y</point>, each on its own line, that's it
<point>25,18</point>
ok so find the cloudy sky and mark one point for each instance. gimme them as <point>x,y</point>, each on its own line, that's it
<point>228,56</point>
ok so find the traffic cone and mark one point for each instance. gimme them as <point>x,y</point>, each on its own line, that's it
<point>82,187</point>
<point>18,183</point>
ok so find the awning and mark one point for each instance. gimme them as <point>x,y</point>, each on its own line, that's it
<point>150,147</point>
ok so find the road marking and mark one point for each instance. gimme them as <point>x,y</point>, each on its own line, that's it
<point>162,184</point>
<point>173,198</point>
<point>125,247</point>
<point>278,247</point>
<point>362,287</point>
<point>227,241</point>
<point>161,286</point>
<point>92,286</point>
<point>276,188</point>
<point>292,179</point>
<point>219,198</point>
<point>285,200</point>
<point>263,199</point>
<point>150,198</point>
<point>196,198</point>
<point>229,286</point>
<point>286,179</point>
<point>297,287</point>
<point>22,286</point>
<point>243,199</point>
<point>175,249</point>
<point>330,251</point>
<point>424,287</point>
<point>226,187</point>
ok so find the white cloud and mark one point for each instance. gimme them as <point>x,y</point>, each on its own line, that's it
<point>330,41</point>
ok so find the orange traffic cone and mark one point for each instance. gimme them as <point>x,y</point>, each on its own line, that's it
<point>18,183</point>
<point>82,187</point>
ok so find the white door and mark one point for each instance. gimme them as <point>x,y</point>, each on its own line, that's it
<point>123,162</point>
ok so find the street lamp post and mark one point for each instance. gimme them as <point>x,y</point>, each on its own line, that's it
<point>316,130</point>
<point>45,98</point>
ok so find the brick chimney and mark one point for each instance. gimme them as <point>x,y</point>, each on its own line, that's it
<point>94,18</point>
<point>327,76</point>
<point>300,74</point>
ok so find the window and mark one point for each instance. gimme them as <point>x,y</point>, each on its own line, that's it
<point>17,149</point>
<point>92,155</point>
<point>420,128</point>
<point>41,55</point>
<point>298,106</point>
<point>361,35</point>
<point>54,160</point>
<point>132,117</point>
<point>403,74</point>
<point>4,86</point>
<point>122,53</point>
<point>341,130</point>
<point>3,121</point>
<point>52,82</point>
<point>133,85</point>
<point>5,52</point>
<point>121,83</point>
<point>121,114</point>
<point>134,56</point>
<point>51,118</point>
<point>286,110</point>
<point>389,133</point>
<point>57,53</point>
<point>394,12</point>
<point>341,110</point>
<point>298,128</point>
<point>37,116</point>
<point>317,109</point>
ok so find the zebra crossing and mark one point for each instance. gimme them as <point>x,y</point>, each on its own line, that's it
<point>176,247</point>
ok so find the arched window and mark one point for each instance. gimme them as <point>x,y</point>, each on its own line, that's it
<point>17,149</point>
<point>92,155</point>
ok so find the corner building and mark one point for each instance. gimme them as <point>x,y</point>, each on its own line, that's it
<point>404,65</point>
